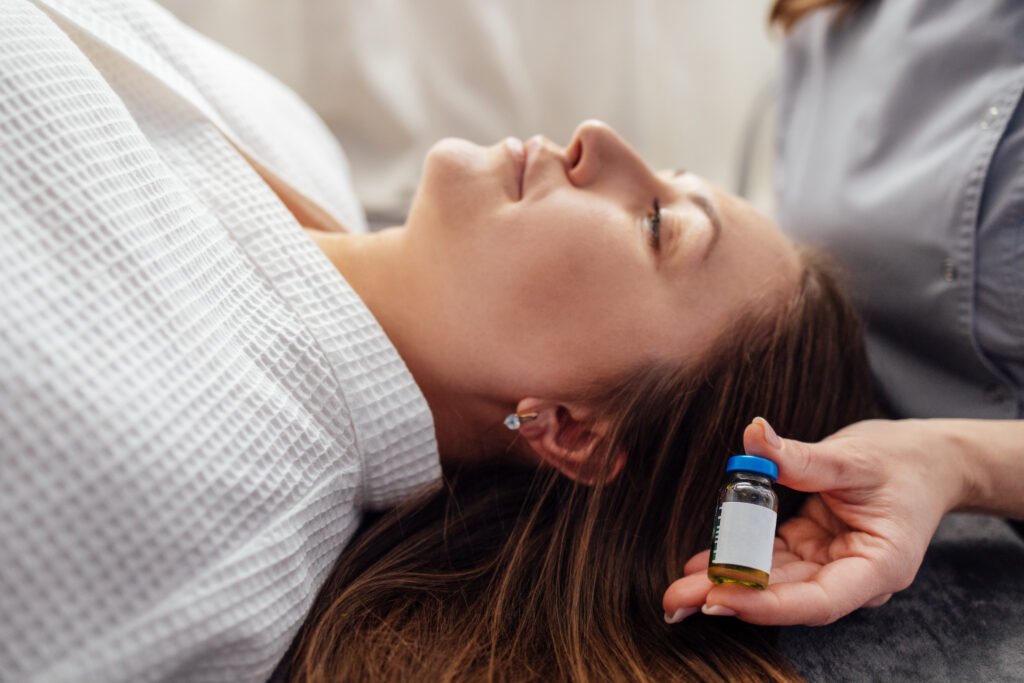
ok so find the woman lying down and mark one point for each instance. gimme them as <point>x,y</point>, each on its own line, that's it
<point>201,399</point>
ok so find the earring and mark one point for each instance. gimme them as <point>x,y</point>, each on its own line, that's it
<point>515,420</point>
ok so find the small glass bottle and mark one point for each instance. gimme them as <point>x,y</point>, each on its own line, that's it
<point>741,547</point>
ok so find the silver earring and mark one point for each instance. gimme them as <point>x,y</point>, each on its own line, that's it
<point>516,420</point>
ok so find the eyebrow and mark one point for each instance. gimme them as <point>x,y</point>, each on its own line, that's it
<point>708,207</point>
<point>705,204</point>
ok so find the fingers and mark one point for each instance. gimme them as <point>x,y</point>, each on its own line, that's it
<point>690,592</point>
<point>800,592</point>
<point>879,601</point>
<point>826,595</point>
<point>806,539</point>
<point>697,563</point>
<point>795,570</point>
<point>685,596</point>
<point>802,466</point>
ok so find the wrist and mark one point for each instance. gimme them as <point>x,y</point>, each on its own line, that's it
<point>960,457</point>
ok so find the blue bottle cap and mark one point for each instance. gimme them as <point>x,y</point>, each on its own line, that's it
<point>752,463</point>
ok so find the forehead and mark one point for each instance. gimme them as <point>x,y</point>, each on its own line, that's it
<point>771,256</point>
<point>741,220</point>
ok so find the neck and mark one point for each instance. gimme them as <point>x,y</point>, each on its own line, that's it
<point>467,426</point>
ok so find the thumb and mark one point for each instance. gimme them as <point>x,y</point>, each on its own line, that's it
<point>810,467</point>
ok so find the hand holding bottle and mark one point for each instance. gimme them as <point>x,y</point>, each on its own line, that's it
<point>879,488</point>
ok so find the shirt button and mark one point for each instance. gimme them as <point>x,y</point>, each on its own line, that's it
<point>996,393</point>
<point>990,117</point>
<point>949,270</point>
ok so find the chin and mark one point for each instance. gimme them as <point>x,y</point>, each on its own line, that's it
<point>454,156</point>
<point>457,178</point>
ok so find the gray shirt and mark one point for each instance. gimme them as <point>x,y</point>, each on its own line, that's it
<point>901,150</point>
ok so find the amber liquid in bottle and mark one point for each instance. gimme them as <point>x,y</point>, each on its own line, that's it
<point>744,531</point>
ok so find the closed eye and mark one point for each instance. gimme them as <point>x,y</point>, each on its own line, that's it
<point>653,224</point>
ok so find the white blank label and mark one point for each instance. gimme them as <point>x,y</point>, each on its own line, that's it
<point>745,535</point>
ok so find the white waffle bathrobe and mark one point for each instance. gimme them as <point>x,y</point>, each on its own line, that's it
<point>194,405</point>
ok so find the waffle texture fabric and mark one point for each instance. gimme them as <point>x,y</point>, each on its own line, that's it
<point>194,405</point>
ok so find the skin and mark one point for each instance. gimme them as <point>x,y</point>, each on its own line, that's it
<point>880,489</point>
<point>504,296</point>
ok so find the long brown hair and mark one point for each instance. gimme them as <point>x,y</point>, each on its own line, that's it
<point>786,13</point>
<point>517,574</point>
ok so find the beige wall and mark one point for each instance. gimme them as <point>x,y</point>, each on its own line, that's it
<point>676,77</point>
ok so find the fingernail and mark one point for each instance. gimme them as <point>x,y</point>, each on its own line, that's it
<point>769,433</point>
<point>717,611</point>
<point>679,615</point>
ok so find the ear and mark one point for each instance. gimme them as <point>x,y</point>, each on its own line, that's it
<point>569,439</point>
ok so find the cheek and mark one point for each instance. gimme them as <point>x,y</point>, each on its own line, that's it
<point>557,252</point>
<point>575,296</point>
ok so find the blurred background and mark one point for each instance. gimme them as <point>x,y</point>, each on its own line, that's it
<point>688,83</point>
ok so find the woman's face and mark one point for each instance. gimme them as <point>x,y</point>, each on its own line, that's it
<point>537,268</point>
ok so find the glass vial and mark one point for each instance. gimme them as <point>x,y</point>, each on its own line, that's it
<point>741,547</point>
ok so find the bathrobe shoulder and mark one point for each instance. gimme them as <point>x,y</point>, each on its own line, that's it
<point>194,405</point>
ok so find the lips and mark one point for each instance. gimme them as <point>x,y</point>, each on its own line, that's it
<point>517,152</point>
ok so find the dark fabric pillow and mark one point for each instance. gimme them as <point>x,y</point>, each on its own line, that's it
<point>961,620</point>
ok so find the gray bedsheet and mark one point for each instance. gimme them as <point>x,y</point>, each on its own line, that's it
<point>961,620</point>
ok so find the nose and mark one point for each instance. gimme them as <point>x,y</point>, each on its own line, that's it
<point>598,155</point>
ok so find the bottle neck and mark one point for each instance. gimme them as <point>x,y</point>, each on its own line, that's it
<point>762,479</point>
